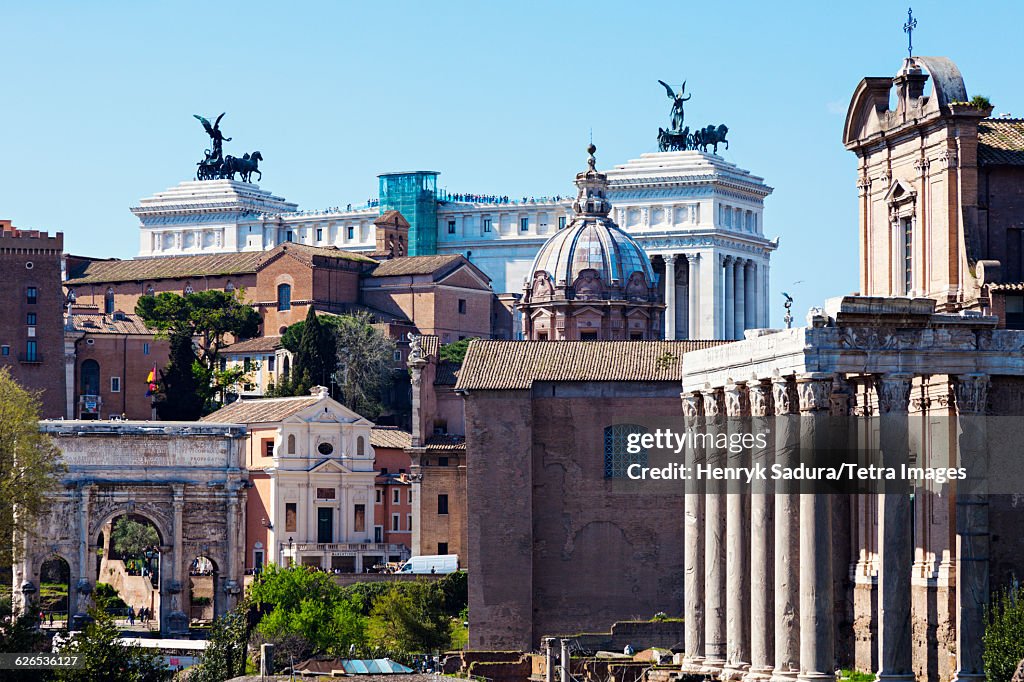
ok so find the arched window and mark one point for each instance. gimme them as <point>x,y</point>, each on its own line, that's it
<point>284,296</point>
<point>108,301</point>
<point>229,287</point>
<point>360,446</point>
<point>617,455</point>
<point>291,444</point>
<point>189,289</point>
<point>90,377</point>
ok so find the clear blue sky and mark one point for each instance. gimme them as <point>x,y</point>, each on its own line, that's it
<point>96,100</point>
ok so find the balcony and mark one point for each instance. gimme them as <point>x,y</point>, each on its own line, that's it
<point>30,358</point>
<point>358,547</point>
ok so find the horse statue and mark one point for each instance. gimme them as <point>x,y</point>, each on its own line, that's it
<point>710,137</point>
<point>245,166</point>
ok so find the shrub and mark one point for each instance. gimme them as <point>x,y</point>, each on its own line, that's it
<point>1004,634</point>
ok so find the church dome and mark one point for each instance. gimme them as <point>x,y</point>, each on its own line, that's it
<point>591,257</point>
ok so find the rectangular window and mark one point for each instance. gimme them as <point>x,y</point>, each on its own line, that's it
<point>397,356</point>
<point>524,224</point>
<point>268,448</point>
<point>246,364</point>
<point>442,461</point>
<point>395,522</point>
<point>410,495</point>
<point>360,520</point>
<point>451,227</point>
<point>145,349</point>
<point>351,232</point>
<point>442,503</point>
<point>290,513</point>
<point>270,363</point>
<point>408,522</point>
<point>380,496</point>
<point>908,255</point>
<point>561,222</point>
<point>319,234</point>
<point>383,471</point>
<point>487,224</point>
<point>378,534</point>
<point>289,236</point>
<point>588,335</point>
<point>442,548</point>
<point>30,319</point>
<point>31,351</point>
<point>257,560</point>
<point>396,496</point>
<point>5,350</point>
<point>1014,312</point>
<point>31,295</point>
<point>325,493</point>
<point>115,384</point>
<point>462,306</point>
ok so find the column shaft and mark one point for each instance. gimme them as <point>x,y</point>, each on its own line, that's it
<point>693,547</point>
<point>737,543</point>
<point>729,328</point>
<point>787,539</point>
<point>761,543</point>
<point>714,554</point>
<point>750,297</point>
<point>693,289</point>
<point>670,297</point>
<point>740,306</point>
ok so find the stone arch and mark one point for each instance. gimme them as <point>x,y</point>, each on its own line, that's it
<point>203,576</point>
<point>106,516</point>
<point>54,604</point>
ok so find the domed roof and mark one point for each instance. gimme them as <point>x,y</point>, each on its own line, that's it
<point>592,241</point>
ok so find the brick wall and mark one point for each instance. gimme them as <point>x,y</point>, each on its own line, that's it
<point>124,357</point>
<point>32,259</point>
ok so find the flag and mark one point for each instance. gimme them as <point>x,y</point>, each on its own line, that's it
<point>151,382</point>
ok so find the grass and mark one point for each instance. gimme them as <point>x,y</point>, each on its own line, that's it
<point>856,676</point>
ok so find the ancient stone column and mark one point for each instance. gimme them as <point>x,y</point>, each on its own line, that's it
<point>670,297</point>
<point>817,655</point>
<point>972,533</point>
<point>84,585</point>
<point>693,289</point>
<point>750,297</point>
<point>739,314</point>
<point>693,539</point>
<point>729,267</point>
<point>762,516</point>
<point>737,543</point>
<point>177,621</point>
<point>714,550</point>
<point>787,539</point>
<point>894,540</point>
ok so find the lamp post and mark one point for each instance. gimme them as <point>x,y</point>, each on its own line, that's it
<point>291,557</point>
<point>149,553</point>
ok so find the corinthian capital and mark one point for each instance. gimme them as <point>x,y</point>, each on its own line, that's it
<point>692,404</point>
<point>758,393</point>
<point>893,392</point>
<point>781,396</point>
<point>735,399</point>
<point>814,391</point>
<point>970,391</point>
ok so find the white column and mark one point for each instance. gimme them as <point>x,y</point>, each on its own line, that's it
<point>762,518</point>
<point>766,320</point>
<point>894,523</point>
<point>729,302</point>
<point>714,553</point>
<point>693,289</point>
<point>750,297</point>
<point>737,542</point>
<point>740,306</point>
<point>670,297</point>
<point>711,305</point>
<point>787,538</point>
<point>693,544</point>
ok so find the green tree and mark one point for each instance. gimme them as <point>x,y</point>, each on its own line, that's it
<point>306,613</point>
<point>365,358</point>
<point>411,619</point>
<point>29,464</point>
<point>1004,634</point>
<point>225,653</point>
<point>20,635</point>
<point>106,658</point>
<point>313,345</point>
<point>455,351</point>
<point>131,538</point>
<point>198,325</point>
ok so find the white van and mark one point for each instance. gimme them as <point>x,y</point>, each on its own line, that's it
<point>440,564</point>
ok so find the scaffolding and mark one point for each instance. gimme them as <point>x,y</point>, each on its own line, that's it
<point>414,194</point>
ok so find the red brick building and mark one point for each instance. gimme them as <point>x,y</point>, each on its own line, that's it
<point>558,545</point>
<point>393,504</point>
<point>32,336</point>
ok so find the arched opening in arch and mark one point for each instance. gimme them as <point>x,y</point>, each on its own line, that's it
<point>130,567</point>
<point>54,586</point>
<point>202,591</point>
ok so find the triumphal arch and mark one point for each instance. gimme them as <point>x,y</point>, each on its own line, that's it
<point>186,480</point>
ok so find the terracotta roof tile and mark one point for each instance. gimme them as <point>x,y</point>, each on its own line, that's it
<point>390,437</point>
<point>118,323</point>
<point>415,265</point>
<point>392,218</point>
<point>447,373</point>
<point>431,344</point>
<point>262,344</point>
<point>1001,141</point>
<point>446,443</point>
<point>260,410</point>
<point>512,365</point>
<point>179,267</point>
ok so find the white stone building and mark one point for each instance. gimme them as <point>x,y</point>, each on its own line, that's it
<point>699,217</point>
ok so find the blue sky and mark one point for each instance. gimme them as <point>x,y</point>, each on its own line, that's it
<point>96,101</point>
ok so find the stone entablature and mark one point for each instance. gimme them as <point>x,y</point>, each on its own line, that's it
<point>186,478</point>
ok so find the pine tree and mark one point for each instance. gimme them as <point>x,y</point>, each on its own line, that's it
<point>182,397</point>
<point>315,357</point>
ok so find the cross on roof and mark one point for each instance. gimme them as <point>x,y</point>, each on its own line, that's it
<point>908,28</point>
